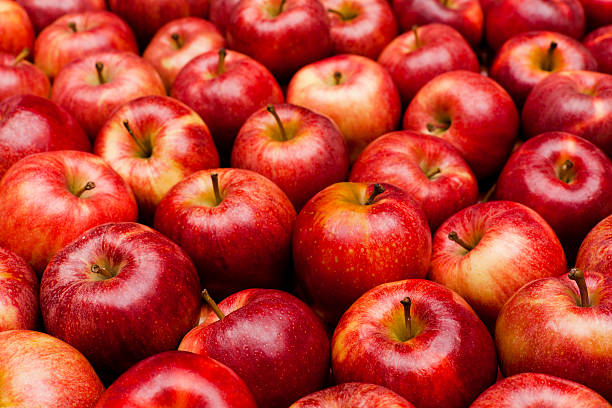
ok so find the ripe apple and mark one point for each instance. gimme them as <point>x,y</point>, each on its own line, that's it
<point>599,44</point>
<point>559,327</point>
<point>16,31</point>
<point>298,149</point>
<point>44,12</point>
<point>53,197</point>
<point>18,293</point>
<point>598,12</point>
<point>595,253</point>
<point>419,339</point>
<point>353,395</point>
<point>220,12</point>
<point>41,371</point>
<point>20,77</point>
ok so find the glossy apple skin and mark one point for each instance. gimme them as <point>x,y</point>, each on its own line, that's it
<point>365,104</point>
<point>41,371</point>
<point>226,101</point>
<point>343,247</point>
<point>44,12</point>
<point>284,43</point>
<point>368,26</point>
<point>449,361</point>
<point>313,158</point>
<point>507,18</point>
<point>531,177</point>
<point>179,140</point>
<point>39,193</point>
<point>266,330</point>
<point>513,245</point>
<point>521,63</point>
<point>97,31</point>
<point>178,379</point>
<point>146,307</point>
<point>595,253</point>
<point>542,329</point>
<point>483,119</point>
<point>598,12</point>
<point>599,44</point>
<point>196,35</point>
<point>18,293</point>
<point>402,158</point>
<point>30,124</point>
<point>354,395</point>
<point>16,31</point>
<point>21,79</point>
<point>463,15</point>
<point>220,13</point>
<point>442,49</point>
<point>243,242</point>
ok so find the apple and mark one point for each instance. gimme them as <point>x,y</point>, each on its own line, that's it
<point>559,327</point>
<point>18,293</point>
<point>599,44</point>
<point>20,77</point>
<point>355,92</point>
<point>425,166</point>
<point>258,331</point>
<point>416,57</point>
<point>353,395</point>
<point>16,31</point>
<point>595,253</point>
<point>178,42</point>
<point>154,142</point>
<point>44,12</point>
<point>220,13</point>
<point>235,224</point>
<point>470,111</point>
<point>527,58</point>
<point>598,12</point>
<point>53,197</point>
<point>91,88</point>
<point>419,339</point>
<point>298,149</point>
<point>41,371</point>
<point>77,35</point>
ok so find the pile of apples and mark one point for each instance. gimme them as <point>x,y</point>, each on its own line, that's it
<point>396,204</point>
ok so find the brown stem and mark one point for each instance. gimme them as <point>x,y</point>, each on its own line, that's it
<point>95,268</point>
<point>72,26</point>
<point>270,108</point>
<point>453,236</point>
<point>99,68</point>
<point>489,193</point>
<point>90,185</point>
<point>406,302</point>
<point>417,40</point>
<point>432,172</point>
<point>577,276</point>
<point>212,304</point>
<point>548,61</point>
<point>178,41</point>
<point>378,189</point>
<point>21,56</point>
<point>337,77</point>
<point>564,173</point>
<point>221,63</point>
<point>140,145</point>
<point>215,182</point>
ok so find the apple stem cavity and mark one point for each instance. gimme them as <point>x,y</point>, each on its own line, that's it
<point>564,173</point>
<point>90,185</point>
<point>378,189</point>
<point>453,236</point>
<point>178,41</point>
<point>489,194</point>
<point>221,63</point>
<point>270,108</point>
<point>406,302</point>
<point>146,150</point>
<point>72,26</point>
<point>212,304</point>
<point>417,40</point>
<point>337,77</point>
<point>577,276</point>
<point>215,182</point>
<point>548,61</point>
<point>99,68</point>
<point>21,56</point>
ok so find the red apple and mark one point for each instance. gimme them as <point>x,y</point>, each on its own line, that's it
<point>259,331</point>
<point>77,35</point>
<point>427,167</point>
<point>41,371</point>
<point>599,43</point>
<point>355,92</point>
<point>552,327</point>
<point>178,42</point>
<point>91,88</point>
<point>298,149</point>
<point>598,12</point>
<point>30,124</point>
<point>595,253</point>
<point>16,32</point>
<point>54,197</point>
<point>154,142</point>
<point>44,12</point>
<point>220,13</point>
<point>18,293</point>
<point>354,395</point>
<point>416,57</point>
<point>419,339</point>
<point>19,77</point>
<point>122,285</point>
<point>470,111</point>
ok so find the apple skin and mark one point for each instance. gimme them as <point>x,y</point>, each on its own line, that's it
<point>18,293</point>
<point>532,176</point>
<point>243,242</point>
<point>22,78</point>
<point>39,193</point>
<point>480,118</point>
<point>266,331</point>
<point>364,105</point>
<point>543,329</point>
<point>16,31</point>
<point>595,253</point>
<point>598,12</point>
<point>522,61</point>
<point>463,15</point>
<point>366,28</point>
<point>441,49</point>
<point>513,245</point>
<point>146,305</point>
<point>403,159</point>
<point>41,371</point>
<point>343,246</point>
<point>354,395</point>
<point>314,157</point>
<point>220,13</point>
<point>196,36</point>
<point>126,77</point>
<point>96,31</point>
<point>448,361</point>
<point>179,141</point>
<point>44,12</point>
<point>599,44</point>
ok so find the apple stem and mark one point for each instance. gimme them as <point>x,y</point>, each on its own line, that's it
<point>221,63</point>
<point>548,62</point>
<point>99,68</point>
<point>212,304</point>
<point>577,276</point>
<point>270,108</point>
<point>453,236</point>
<point>432,172</point>
<point>215,182</point>
<point>90,185</point>
<point>178,41</point>
<point>564,173</point>
<point>489,193</point>
<point>417,40</point>
<point>406,302</point>
<point>95,268</point>
<point>21,56</point>
<point>140,145</point>
<point>337,77</point>
<point>72,26</point>
<point>378,189</point>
